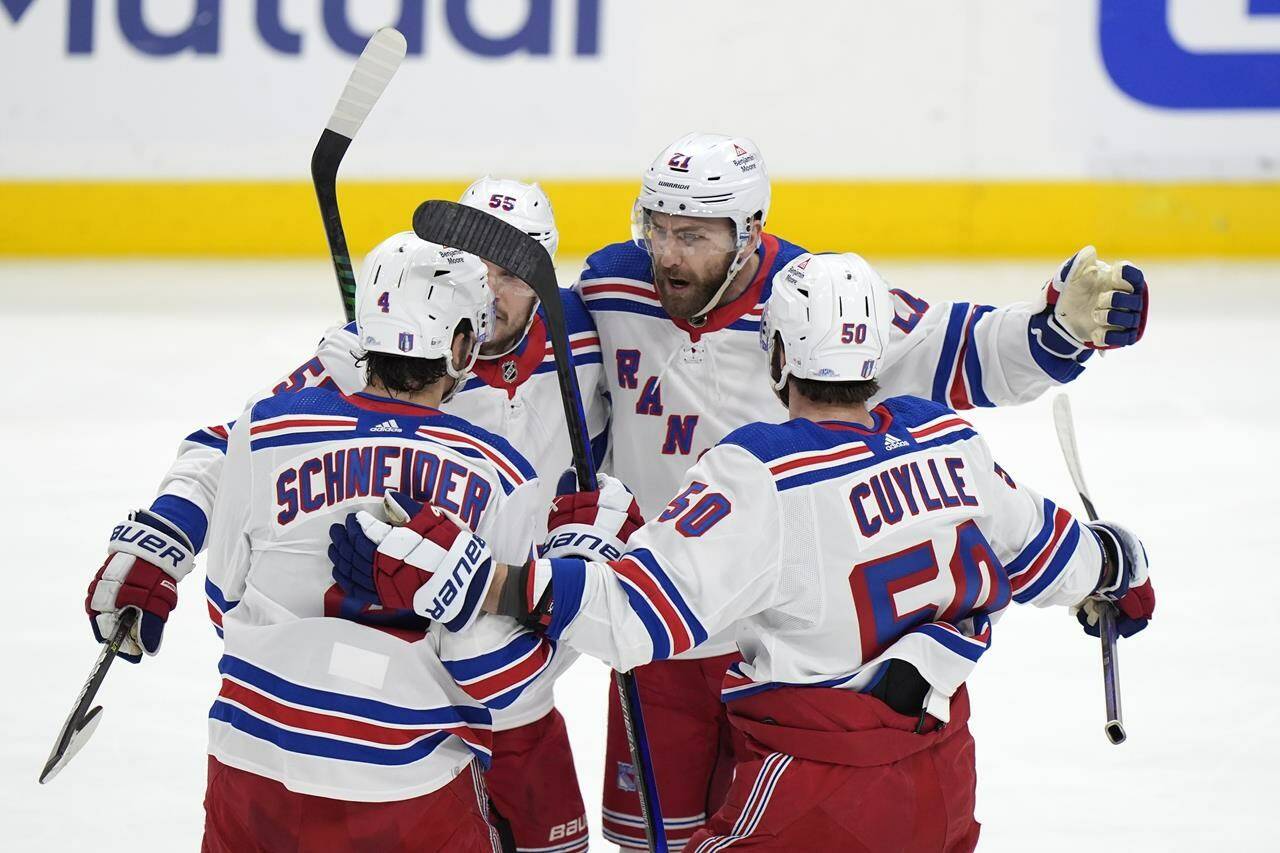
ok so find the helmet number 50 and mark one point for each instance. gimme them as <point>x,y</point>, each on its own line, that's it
<point>853,333</point>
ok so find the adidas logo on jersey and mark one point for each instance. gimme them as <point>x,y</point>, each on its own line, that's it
<point>892,442</point>
<point>386,426</point>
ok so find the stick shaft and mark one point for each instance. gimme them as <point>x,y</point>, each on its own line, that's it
<point>481,234</point>
<point>374,69</point>
<point>1065,426</point>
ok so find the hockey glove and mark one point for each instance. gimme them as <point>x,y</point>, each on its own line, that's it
<point>1124,581</point>
<point>146,558</point>
<point>399,566</point>
<point>591,525</point>
<point>1098,305</point>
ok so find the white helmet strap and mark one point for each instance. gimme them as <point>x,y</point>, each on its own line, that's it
<point>740,259</point>
<point>459,375</point>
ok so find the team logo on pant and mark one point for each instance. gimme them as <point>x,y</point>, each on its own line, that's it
<point>406,341</point>
<point>626,780</point>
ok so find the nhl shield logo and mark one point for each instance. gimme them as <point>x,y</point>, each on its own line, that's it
<point>406,341</point>
<point>509,371</point>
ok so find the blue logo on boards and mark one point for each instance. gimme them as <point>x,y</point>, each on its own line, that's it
<point>202,31</point>
<point>1148,64</point>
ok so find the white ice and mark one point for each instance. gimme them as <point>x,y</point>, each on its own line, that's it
<point>110,364</point>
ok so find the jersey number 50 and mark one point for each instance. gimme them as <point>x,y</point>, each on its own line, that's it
<point>876,584</point>
<point>706,513</point>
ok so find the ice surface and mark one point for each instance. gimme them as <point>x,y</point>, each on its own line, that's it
<point>110,364</point>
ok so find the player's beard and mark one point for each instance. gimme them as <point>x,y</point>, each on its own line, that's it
<point>685,293</point>
<point>509,327</point>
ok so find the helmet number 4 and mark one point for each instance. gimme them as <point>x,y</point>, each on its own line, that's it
<point>853,333</point>
<point>384,302</point>
<point>506,202</point>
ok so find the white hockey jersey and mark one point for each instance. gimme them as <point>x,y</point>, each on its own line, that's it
<point>516,396</point>
<point>827,549</point>
<point>325,695</point>
<point>677,390</point>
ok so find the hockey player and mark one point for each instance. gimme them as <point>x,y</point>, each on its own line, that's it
<point>513,392</point>
<point>859,557</point>
<point>332,730</point>
<point>678,312</point>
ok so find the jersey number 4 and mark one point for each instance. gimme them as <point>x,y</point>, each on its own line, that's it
<point>979,579</point>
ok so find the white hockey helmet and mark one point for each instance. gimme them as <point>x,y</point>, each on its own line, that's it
<point>523,205</point>
<point>709,175</point>
<point>833,313</point>
<point>413,295</point>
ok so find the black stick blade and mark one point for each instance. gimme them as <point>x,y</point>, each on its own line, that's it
<point>483,234</point>
<point>498,242</point>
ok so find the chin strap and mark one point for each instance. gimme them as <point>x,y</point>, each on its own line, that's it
<point>739,262</point>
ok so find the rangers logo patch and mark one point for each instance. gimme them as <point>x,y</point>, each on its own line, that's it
<point>406,341</point>
<point>509,372</point>
<point>626,779</point>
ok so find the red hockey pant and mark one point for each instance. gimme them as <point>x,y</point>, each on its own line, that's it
<point>535,788</point>
<point>248,813</point>
<point>691,743</point>
<point>833,770</point>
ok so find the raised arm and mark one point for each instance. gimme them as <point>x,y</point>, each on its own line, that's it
<point>964,354</point>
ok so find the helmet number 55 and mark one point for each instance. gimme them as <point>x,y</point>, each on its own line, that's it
<point>506,202</point>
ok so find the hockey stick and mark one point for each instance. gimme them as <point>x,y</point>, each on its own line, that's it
<point>80,725</point>
<point>498,242</point>
<point>374,69</point>
<point>1065,426</point>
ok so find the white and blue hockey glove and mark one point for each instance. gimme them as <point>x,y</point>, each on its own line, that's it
<point>1090,304</point>
<point>1125,581</point>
